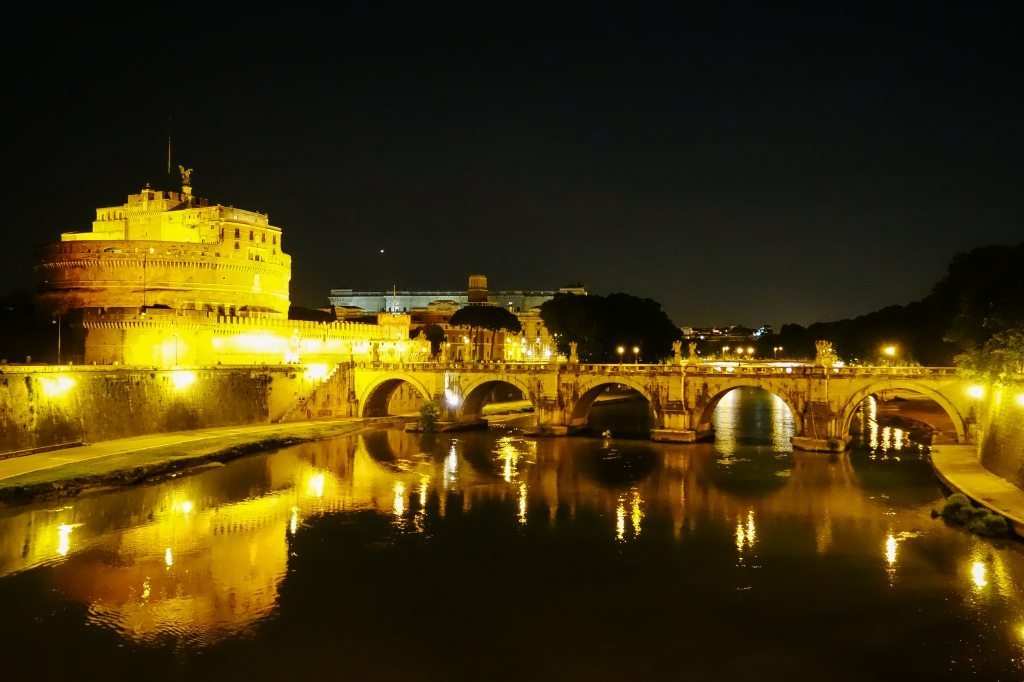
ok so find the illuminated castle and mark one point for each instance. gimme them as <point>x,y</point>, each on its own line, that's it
<point>167,279</point>
<point>169,249</point>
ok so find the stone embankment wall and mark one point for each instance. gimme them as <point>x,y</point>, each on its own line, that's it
<point>1002,449</point>
<point>42,406</point>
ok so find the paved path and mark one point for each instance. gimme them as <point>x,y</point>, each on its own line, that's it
<point>958,467</point>
<point>47,460</point>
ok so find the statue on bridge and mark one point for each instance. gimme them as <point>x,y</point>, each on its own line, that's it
<point>693,359</point>
<point>677,352</point>
<point>824,356</point>
<point>574,359</point>
<point>445,347</point>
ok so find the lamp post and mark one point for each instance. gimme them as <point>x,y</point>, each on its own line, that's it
<point>620,350</point>
<point>775,352</point>
<point>57,322</point>
<point>725,351</point>
<point>636,355</point>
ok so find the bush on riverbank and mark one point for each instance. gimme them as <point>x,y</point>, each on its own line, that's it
<point>959,510</point>
<point>430,413</point>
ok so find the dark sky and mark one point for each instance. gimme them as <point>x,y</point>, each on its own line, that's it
<point>738,164</point>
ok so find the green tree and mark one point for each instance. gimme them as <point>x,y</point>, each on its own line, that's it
<point>1000,357</point>
<point>600,324</point>
<point>489,317</point>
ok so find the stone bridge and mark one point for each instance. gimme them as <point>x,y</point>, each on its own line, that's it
<point>683,397</point>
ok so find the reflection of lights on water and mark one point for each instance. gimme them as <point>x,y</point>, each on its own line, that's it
<point>399,502</point>
<point>620,520</point>
<point>451,466</point>
<point>315,487</point>
<point>145,588</point>
<point>890,549</point>
<point>978,572</point>
<point>186,506</point>
<point>636,513</point>
<point>897,439</point>
<point>168,557</point>
<point>522,503</point>
<point>293,522</point>
<point>872,421</point>
<point>746,534</point>
<point>424,480</point>
<point>782,423</point>
<point>64,538</point>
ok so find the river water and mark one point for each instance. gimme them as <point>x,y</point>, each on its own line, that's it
<point>490,555</point>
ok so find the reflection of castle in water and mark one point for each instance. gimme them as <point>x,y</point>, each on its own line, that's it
<point>204,556</point>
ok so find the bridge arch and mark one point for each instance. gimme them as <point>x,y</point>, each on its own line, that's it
<point>374,400</point>
<point>704,422</point>
<point>475,394</point>
<point>850,407</point>
<point>579,414</point>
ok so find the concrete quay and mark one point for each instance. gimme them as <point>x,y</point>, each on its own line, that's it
<point>958,468</point>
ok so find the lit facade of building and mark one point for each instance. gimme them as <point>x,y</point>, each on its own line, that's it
<point>168,280</point>
<point>169,249</point>
<point>410,301</point>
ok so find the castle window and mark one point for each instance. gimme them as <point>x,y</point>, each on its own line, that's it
<point>250,235</point>
<point>275,240</point>
<point>237,233</point>
<point>236,246</point>
<point>264,237</point>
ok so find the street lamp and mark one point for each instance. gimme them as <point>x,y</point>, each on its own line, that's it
<point>620,350</point>
<point>725,351</point>
<point>889,352</point>
<point>636,355</point>
<point>775,352</point>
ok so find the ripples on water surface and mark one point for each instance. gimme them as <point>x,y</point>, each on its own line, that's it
<point>488,554</point>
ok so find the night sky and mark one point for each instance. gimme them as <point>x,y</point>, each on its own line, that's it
<point>738,164</point>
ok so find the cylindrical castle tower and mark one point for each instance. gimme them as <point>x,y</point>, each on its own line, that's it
<point>168,249</point>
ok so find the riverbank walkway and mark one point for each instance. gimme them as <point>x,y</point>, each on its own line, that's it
<point>958,467</point>
<point>17,466</point>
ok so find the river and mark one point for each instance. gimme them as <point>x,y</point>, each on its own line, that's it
<point>490,555</point>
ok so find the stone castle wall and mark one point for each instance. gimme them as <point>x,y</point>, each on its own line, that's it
<point>182,276</point>
<point>42,406</point>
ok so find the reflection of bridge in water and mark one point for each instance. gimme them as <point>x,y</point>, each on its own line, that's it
<point>204,556</point>
<point>683,397</point>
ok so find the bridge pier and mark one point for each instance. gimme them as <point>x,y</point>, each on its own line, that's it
<point>676,425</point>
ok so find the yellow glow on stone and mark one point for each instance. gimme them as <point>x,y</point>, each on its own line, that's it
<point>316,372</point>
<point>976,391</point>
<point>56,388</point>
<point>183,379</point>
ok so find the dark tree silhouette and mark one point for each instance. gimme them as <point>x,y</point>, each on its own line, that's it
<point>600,324</point>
